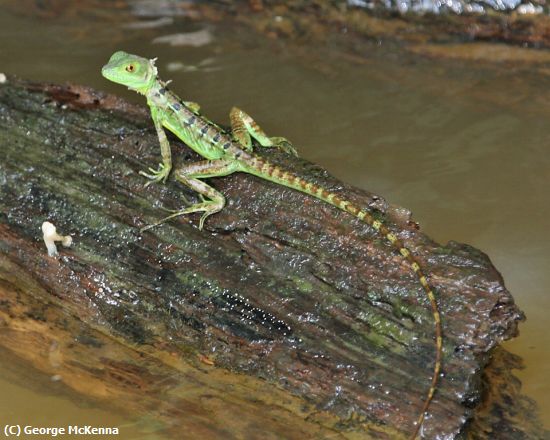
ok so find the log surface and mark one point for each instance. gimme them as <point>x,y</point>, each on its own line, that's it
<point>283,318</point>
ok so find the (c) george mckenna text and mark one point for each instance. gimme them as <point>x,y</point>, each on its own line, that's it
<point>54,431</point>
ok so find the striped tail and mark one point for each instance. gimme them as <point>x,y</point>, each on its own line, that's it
<point>275,174</point>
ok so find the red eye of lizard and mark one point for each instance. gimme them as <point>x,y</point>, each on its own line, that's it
<point>130,68</point>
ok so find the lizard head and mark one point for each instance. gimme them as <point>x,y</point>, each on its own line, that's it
<point>130,70</point>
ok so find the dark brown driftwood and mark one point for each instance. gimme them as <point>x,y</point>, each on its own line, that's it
<point>284,318</point>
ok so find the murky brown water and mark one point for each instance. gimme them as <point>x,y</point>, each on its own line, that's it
<point>33,400</point>
<point>464,147</point>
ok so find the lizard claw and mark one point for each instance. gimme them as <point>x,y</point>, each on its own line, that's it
<point>161,174</point>
<point>208,207</point>
<point>284,145</point>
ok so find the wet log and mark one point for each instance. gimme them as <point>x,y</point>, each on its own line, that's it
<point>283,318</point>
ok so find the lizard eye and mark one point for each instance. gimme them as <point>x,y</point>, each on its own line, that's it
<point>130,68</point>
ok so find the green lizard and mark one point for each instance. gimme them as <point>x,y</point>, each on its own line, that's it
<point>229,152</point>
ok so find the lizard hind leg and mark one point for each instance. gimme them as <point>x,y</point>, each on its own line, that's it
<point>212,201</point>
<point>243,127</point>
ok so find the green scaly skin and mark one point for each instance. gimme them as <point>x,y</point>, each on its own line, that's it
<point>226,153</point>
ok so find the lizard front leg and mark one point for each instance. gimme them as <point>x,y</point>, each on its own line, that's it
<point>161,174</point>
<point>243,126</point>
<point>212,200</point>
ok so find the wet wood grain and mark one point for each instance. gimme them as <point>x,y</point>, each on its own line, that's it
<point>284,318</point>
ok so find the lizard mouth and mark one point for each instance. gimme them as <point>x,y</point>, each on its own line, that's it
<point>106,71</point>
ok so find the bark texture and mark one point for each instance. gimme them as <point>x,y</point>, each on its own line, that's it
<point>284,318</point>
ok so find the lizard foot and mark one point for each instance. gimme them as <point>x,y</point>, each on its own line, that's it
<point>157,175</point>
<point>284,145</point>
<point>186,202</point>
<point>208,208</point>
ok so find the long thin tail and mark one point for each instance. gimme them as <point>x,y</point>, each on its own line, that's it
<point>271,172</point>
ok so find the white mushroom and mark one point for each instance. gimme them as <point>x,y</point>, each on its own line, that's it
<point>51,236</point>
